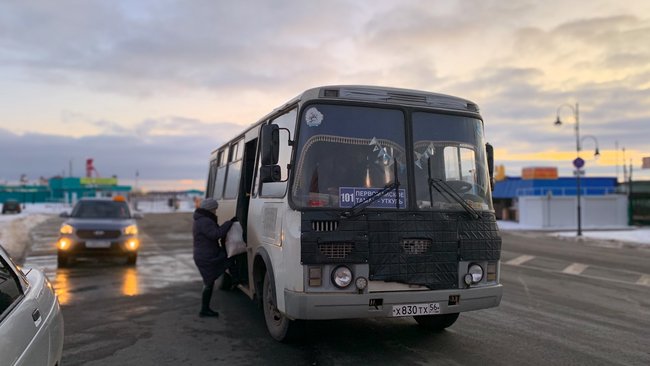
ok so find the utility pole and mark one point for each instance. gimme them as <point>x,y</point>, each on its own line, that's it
<point>624,167</point>
<point>616,148</point>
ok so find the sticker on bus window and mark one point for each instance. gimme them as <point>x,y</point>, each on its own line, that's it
<point>313,117</point>
<point>350,196</point>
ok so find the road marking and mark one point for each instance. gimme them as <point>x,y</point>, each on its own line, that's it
<point>644,280</point>
<point>520,260</point>
<point>575,268</point>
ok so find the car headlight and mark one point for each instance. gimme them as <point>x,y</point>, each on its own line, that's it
<point>66,229</point>
<point>342,276</point>
<point>474,274</point>
<point>132,244</point>
<point>131,230</point>
<point>64,244</point>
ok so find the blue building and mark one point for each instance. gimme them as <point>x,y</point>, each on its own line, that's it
<point>506,191</point>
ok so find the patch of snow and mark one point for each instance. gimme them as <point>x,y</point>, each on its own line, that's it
<point>633,235</point>
<point>14,232</point>
<point>629,234</point>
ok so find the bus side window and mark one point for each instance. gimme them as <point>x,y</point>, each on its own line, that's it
<point>220,176</point>
<point>211,177</point>
<point>234,171</point>
<point>278,189</point>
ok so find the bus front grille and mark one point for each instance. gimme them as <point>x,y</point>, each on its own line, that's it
<point>415,246</point>
<point>324,225</point>
<point>338,250</point>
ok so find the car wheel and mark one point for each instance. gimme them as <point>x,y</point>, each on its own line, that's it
<point>131,259</point>
<point>280,327</point>
<point>62,260</point>
<point>436,322</point>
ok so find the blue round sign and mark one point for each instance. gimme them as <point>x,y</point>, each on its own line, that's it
<point>578,163</point>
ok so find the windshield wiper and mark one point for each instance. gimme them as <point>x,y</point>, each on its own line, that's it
<point>442,186</point>
<point>359,207</point>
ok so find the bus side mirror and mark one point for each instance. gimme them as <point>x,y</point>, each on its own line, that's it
<point>270,144</point>
<point>489,150</point>
<point>270,173</point>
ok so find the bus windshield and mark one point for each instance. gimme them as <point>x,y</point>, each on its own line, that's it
<point>346,154</point>
<point>449,152</point>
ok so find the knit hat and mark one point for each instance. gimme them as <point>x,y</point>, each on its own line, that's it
<point>209,204</point>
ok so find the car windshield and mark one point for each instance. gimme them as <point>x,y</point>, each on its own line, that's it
<point>348,153</point>
<point>449,152</point>
<point>101,209</point>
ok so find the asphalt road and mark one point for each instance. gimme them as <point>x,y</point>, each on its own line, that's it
<point>564,303</point>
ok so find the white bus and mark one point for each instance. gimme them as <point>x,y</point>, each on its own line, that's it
<point>360,201</point>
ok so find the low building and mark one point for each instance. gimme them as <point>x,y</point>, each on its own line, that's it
<point>64,189</point>
<point>71,189</point>
<point>552,203</point>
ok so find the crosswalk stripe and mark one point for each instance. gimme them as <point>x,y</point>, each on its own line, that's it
<point>520,260</point>
<point>575,268</point>
<point>644,280</point>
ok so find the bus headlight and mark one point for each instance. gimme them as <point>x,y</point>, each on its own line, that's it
<point>361,283</point>
<point>474,274</point>
<point>342,276</point>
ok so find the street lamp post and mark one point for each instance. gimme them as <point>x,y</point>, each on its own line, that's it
<point>558,122</point>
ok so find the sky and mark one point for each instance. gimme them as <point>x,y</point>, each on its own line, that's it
<point>153,86</point>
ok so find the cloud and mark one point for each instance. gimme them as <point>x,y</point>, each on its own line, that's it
<point>169,148</point>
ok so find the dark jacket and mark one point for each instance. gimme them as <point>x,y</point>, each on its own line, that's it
<point>209,256</point>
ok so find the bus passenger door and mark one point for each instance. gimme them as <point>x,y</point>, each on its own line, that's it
<point>246,184</point>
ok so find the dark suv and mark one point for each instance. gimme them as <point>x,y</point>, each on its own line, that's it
<point>11,206</point>
<point>98,227</point>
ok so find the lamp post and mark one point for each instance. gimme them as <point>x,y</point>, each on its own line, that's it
<point>558,122</point>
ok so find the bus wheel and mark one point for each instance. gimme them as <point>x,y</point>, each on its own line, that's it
<point>280,327</point>
<point>436,322</point>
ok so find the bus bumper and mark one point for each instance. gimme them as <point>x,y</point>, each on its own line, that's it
<point>300,305</point>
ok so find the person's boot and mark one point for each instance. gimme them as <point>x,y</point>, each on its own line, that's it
<point>205,304</point>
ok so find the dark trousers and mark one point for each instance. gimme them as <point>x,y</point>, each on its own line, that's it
<point>206,296</point>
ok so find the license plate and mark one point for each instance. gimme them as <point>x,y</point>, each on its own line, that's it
<point>98,244</point>
<point>416,309</point>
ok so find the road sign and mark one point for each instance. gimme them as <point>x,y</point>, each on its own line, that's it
<point>578,162</point>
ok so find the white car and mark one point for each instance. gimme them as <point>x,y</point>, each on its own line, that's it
<point>31,324</point>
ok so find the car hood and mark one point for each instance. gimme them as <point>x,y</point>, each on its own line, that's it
<point>105,224</point>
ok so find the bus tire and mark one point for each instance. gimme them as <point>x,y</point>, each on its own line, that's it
<point>436,323</point>
<point>280,327</point>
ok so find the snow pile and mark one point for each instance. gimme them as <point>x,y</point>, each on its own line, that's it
<point>638,235</point>
<point>162,206</point>
<point>14,232</point>
<point>630,234</point>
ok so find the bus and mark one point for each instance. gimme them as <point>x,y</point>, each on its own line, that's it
<point>362,202</point>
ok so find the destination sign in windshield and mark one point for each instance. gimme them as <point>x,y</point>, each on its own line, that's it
<point>350,196</point>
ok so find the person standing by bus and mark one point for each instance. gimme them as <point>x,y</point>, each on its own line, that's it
<point>209,256</point>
